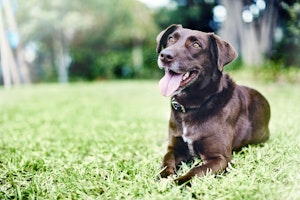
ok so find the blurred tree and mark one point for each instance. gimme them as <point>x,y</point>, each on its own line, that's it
<point>289,45</point>
<point>125,26</point>
<point>14,69</point>
<point>251,37</point>
<point>253,27</point>
<point>51,25</point>
<point>83,35</point>
<point>191,14</point>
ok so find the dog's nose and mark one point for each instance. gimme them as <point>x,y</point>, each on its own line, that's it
<point>167,56</point>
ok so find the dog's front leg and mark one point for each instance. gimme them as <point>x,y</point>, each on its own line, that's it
<point>211,166</point>
<point>168,165</point>
<point>177,152</point>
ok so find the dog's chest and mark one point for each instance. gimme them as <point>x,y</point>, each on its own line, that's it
<point>187,138</point>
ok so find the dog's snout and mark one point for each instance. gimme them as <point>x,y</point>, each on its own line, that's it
<point>167,56</point>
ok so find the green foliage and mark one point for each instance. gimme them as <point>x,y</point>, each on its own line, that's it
<point>114,64</point>
<point>109,46</point>
<point>100,36</point>
<point>290,44</point>
<point>271,71</point>
<point>108,144</point>
<point>194,16</point>
<point>278,72</point>
<point>104,32</point>
<point>237,64</point>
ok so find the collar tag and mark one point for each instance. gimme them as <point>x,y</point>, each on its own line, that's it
<point>177,106</point>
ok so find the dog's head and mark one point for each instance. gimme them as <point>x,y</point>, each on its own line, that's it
<point>188,56</point>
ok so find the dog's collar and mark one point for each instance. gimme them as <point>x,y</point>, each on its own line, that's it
<point>177,106</point>
<point>181,108</point>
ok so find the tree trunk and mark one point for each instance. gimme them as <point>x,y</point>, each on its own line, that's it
<point>252,40</point>
<point>9,67</point>
<point>137,58</point>
<point>61,58</point>
<point>12,26</point>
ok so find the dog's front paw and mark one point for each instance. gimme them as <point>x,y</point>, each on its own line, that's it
<point>167,171</point>
<point>183,180</point>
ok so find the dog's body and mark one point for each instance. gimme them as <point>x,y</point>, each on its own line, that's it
<point>211,116</point>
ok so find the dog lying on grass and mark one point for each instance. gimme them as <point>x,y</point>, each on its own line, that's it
<point>211,115</point>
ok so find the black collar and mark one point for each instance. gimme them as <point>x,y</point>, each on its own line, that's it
<point>177,106</point>
<point>181,108</point>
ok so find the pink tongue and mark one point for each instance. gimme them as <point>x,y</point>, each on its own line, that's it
<point>169,83</point>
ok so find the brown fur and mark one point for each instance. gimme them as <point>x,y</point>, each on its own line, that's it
<point>221,116</point>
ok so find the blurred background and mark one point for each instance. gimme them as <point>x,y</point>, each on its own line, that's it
<point>74,40</point>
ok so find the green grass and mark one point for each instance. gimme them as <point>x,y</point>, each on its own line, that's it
<point>106,140</point>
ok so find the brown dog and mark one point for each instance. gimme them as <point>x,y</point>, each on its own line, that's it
<point>211,116</point>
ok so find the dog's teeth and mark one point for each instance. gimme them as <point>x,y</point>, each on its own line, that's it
<point>185,76</point>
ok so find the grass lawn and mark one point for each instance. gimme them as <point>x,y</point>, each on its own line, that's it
<point>106,140</point>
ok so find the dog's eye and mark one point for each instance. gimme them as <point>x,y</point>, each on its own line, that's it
<point>171,39</point>
<point>196,45</point>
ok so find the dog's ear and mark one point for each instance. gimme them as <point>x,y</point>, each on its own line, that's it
<point>225,53</point>
<point>162,37</point>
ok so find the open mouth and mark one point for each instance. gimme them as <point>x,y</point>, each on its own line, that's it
<point>172,81</point>
<point>188,77</point>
